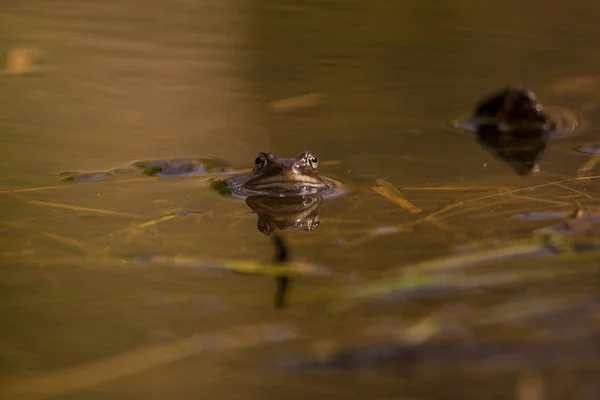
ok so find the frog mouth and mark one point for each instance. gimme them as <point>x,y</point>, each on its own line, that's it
<point>299,186</point>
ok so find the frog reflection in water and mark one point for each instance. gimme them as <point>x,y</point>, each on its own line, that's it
<point>283,177</point>
<point>512,124</point>
<point>276,214</point>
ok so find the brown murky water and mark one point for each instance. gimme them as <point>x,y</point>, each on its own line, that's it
<point>368,86</point>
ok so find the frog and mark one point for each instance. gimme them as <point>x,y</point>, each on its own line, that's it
<point>513,125</point>
<point>282,177</point>
<point>513,106</point>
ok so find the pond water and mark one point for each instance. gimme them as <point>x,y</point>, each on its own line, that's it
<point>119,284</point>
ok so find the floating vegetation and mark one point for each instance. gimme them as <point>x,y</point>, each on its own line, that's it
<point>172,168</point>
<point>77,176</point>
<point>120,171</point>
<point>221,188</point>
<point>178,167</point>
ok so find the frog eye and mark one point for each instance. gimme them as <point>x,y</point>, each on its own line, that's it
<point>312,160</point>
<point>260,161</point>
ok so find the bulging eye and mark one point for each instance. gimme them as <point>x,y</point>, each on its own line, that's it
<point>312,160</point>
<point>260,161</point>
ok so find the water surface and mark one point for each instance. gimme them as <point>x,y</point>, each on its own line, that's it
<point>368,86</point>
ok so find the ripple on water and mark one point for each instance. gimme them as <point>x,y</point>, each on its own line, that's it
<point>568,122</point>
<point>233,188</point>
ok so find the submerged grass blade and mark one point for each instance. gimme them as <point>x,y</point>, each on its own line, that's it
<point>541,200</point>
<point>370,234</point>
<point>510,192</point>
<point>579,192</point>
<point>151,223</point>
<point>451,263</point>
<point>432,275</point>
<point>71,242</point>
<point>422,330</point>
<point>405,287</point>
<point>86,209</point>
<point>33,189</point>
<point>452,188</point>
<point>250,267</point>
<point>587,167</point>
<point>55,187</point>
<point>389,191</point>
